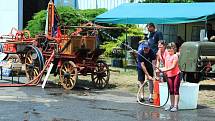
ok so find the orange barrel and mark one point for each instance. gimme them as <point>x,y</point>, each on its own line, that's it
<point>156,95</point>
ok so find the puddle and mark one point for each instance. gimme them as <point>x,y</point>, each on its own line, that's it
<point>148,115</point>
<point>81,93</point>
<point>110,109</point>
<point>62,119</point>
<point>112,92</point>
<point>56,94</point>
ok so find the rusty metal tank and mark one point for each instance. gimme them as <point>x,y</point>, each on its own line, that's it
<point>197,60</point>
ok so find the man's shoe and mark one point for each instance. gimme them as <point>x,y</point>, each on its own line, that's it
<point>151,100</point>
<point>142,100</point>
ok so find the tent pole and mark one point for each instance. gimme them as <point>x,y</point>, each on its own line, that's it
<point>185,34</point>
<point>206,29</point>
<point>126,42</point>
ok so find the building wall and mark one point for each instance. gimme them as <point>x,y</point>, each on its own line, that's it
<point>191,31</point>
<point>181,31</point>
<point>16,13</point>
<point>188,32</point>
<point>9,15</point>
<point>92,4</point>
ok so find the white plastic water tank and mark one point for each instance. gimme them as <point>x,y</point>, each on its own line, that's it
<point>188,95</point>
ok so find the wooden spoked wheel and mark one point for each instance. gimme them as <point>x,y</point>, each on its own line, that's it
<point>68,75</point>
<point>100,76</point>
<point>33,63</point>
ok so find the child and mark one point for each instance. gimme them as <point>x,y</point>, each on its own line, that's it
<point>172,71</point>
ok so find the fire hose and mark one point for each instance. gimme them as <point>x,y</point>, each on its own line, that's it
<point>37,79</point>
<point>142,85</point>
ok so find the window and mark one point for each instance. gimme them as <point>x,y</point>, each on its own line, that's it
<point>195,36</point>
<point>169,32</point>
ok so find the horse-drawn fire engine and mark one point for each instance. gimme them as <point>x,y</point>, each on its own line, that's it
<point>71,53</point>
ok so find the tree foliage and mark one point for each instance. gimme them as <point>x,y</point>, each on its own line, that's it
<point>110,44</point>
<point>37,24</point>
<point>204,0</point>
<point>68,17</point>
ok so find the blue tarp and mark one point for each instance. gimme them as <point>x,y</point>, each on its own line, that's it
<point>159,13</point>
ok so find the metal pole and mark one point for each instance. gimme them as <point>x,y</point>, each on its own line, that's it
<point>206,29</point>
<point>76,7</point>
<point>126,41</point>
<point>96,4</point>
<point>20,14</point>
<point>185,34</point>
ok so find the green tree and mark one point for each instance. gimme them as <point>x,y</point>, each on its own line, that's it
<point>110,44</point>
<point>68,17</point>
<point>37,24</point>
<point>204,0</point>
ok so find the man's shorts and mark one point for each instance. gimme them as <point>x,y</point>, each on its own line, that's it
<point>141,74</point>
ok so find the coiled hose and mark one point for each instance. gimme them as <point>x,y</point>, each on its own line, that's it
<point>147,104</point>
<point>142,85</point>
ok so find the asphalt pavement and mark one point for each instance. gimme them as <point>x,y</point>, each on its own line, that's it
<point>56,104</point>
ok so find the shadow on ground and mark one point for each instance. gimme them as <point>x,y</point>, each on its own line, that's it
<point>201,107</point>
<point>207,87</point>
<point>86,84</point>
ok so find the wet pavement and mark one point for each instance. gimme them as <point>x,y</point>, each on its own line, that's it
<point>56,104</point>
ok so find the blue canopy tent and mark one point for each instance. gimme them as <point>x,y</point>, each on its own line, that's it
<point>158,13</point>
